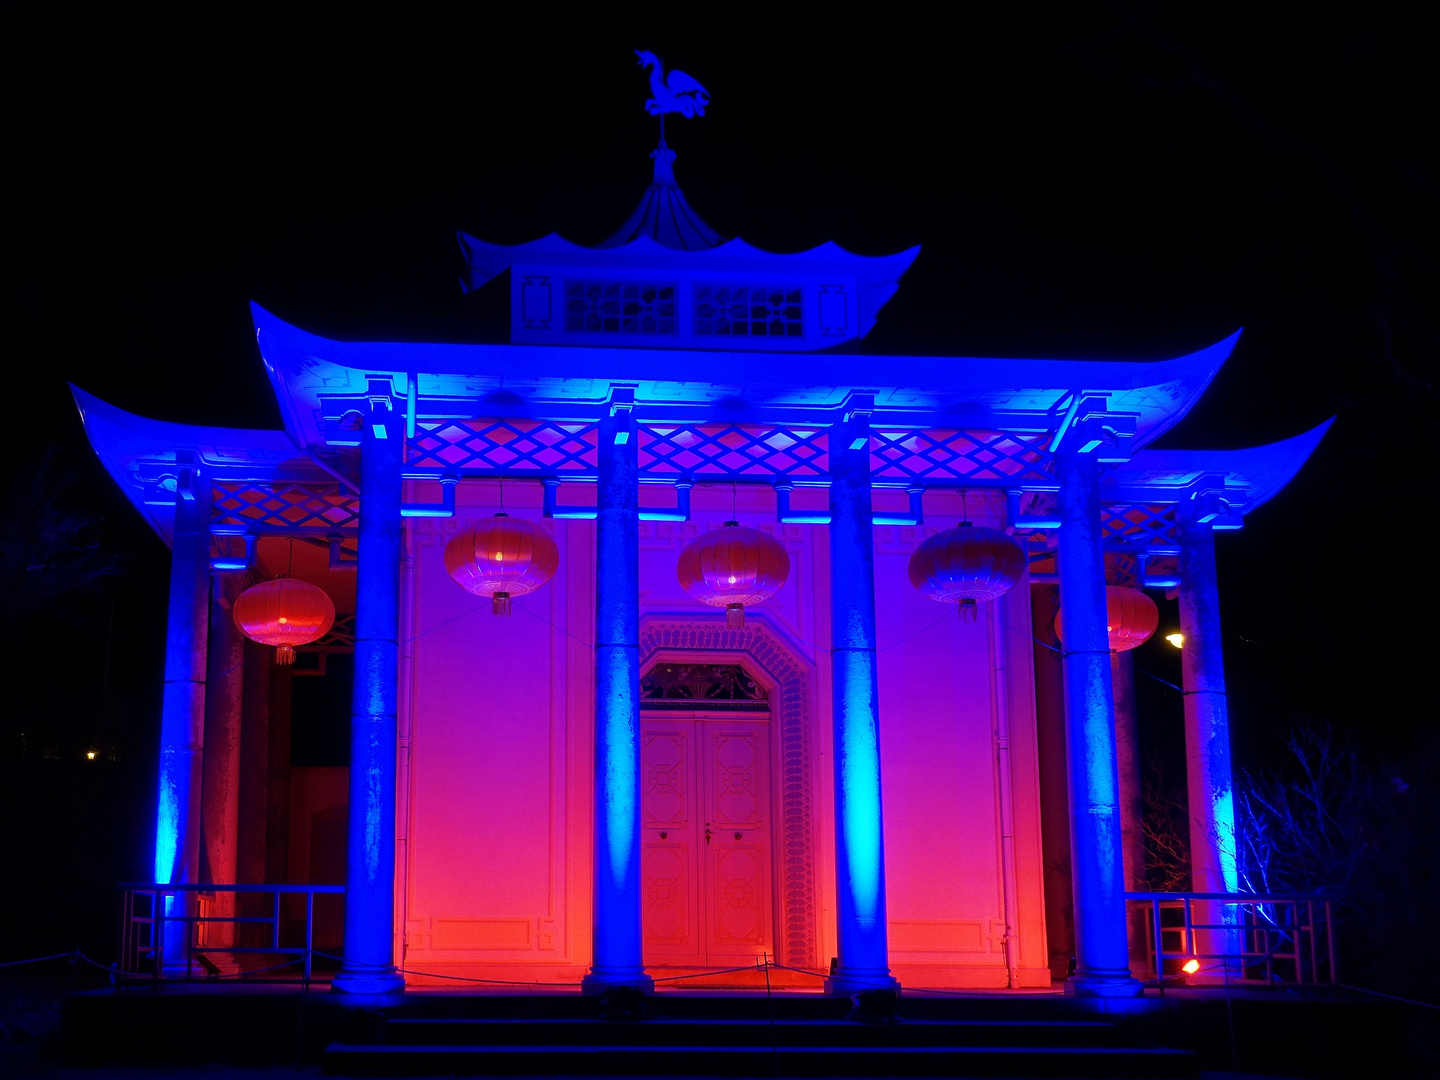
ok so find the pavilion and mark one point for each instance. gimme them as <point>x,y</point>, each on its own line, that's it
<point>848,776</point>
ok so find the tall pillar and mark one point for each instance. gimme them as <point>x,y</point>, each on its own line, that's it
<point>369,964</point>
<point>220,813</point>
<point>618,956</point>
<point>1207,737</point>
<point>863,945</point>
<point>1096,859</point>
<point>1054,781</point>
<point>182,715</point>
<point>254,784</point>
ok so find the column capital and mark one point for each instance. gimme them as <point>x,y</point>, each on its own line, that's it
<point>1089,426</point>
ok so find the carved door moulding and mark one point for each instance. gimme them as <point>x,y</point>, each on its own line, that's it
<point>766,654</point>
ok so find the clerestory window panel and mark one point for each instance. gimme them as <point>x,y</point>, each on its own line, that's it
<point>621,307</point>
<point>748,311</point>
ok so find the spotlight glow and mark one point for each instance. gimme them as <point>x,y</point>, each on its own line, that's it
<point>1190,967</point>
<point>1177,639</point>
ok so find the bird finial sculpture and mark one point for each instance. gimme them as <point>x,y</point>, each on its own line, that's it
<point>679,93</point>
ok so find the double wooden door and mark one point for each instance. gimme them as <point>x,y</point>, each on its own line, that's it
<point>705,859</point>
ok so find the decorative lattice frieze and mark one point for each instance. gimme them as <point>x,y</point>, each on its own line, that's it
<point>262,508</point>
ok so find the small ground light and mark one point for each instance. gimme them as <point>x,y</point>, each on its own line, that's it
<point>1190,967</point>
<point>89,755</point>
<point>1177,639</point>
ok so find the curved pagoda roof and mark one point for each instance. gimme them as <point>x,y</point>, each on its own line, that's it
<point>664,214</point>
<point>314,377</point>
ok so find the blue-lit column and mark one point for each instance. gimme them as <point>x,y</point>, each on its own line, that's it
<point>1207,739</point>
<point>369,967</point>
<point>182,715</point>
<point>863,946</point>
<point>1102,955</point>
<point>618,959</point>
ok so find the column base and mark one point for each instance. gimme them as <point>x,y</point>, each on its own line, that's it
<point>598,980</point>
<point>1104,986</point>
<point>369,987</point>
<point>843,982</point>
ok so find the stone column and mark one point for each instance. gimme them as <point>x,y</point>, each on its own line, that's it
<point>220,813</point>
<point>1096,859</point>
<point>1207,739</point>
<point>862,931</point>
<point>1054,783</point>
<point>618,955</point>
<point>254,784</point>
<point>369,964</point>
<point>182,715</point>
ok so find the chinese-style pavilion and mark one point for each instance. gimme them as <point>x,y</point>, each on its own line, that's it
<point>612,783</point>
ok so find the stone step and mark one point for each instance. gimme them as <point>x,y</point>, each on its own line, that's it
<point>735,1061</point>
<point>790,1033</point>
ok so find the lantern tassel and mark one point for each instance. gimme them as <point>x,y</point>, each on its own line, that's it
<point>284,654</point>
<point>735,616</point>
<point>969,610</point>
<point>500,603</point>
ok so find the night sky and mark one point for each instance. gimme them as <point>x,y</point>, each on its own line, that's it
<point>1086,180</point>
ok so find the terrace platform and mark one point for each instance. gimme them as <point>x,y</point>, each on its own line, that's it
<point>686,1032</point>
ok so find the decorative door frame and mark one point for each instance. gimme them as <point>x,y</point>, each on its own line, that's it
<point>761,648</point>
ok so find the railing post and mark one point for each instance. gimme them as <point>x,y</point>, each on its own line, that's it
<point>309,932</point>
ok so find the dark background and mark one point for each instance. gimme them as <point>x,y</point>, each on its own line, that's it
<point>1088,180</point>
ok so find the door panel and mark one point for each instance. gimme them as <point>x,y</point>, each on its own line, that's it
<point>706,847</point>
<point>669,915</point>
<point>737,882</point>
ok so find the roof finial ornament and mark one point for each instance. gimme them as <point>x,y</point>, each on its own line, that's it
<point>679,93</point>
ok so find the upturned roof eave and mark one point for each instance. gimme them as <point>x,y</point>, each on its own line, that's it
<point>1262,471</point>
<point>304,366</point>
<point>121,439</point>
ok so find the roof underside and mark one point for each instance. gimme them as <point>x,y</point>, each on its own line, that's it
<point>575,382</point>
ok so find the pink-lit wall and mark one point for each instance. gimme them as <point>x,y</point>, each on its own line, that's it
<point>496,732</point>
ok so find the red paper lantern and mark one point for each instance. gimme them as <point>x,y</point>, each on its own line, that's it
<point>966,565</point>
<point>1130,616</point>
<point>501,557</point>
<point>732,567</point>
<point>284,612</point>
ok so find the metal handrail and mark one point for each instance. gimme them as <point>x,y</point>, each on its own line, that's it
<point>1264,939</point>
<point>143,934</point>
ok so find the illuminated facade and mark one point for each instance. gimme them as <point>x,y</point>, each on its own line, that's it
<point>611,784</point>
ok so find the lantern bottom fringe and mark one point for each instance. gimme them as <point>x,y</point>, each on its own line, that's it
<point>284,654</point>
<point>735,616</point>
<point>969,610</point>
<point>500,603</point>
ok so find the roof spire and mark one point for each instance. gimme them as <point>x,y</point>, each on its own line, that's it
<point>664,215</point>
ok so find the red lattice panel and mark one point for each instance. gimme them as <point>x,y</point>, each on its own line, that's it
<point>734,450</point>
<point>538,446</point>
<point>909,454</point>
<point>285,506</point>
<point>1139,524</point>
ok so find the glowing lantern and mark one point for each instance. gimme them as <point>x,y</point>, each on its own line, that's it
<point>1130,616</point>
<point>284,612</point>
<point>965,565</point>
<point>732,567</point>
<point>501,557</point>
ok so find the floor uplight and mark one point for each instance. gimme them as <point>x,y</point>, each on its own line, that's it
<point>1190,966</point>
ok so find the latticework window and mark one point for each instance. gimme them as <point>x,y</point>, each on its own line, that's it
<point>747,311</point>
<point>620,307</point>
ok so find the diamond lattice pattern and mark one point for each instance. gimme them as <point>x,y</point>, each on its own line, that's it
<point>285,506</point>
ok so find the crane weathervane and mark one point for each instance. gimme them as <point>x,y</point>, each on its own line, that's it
<point>677,94</point>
